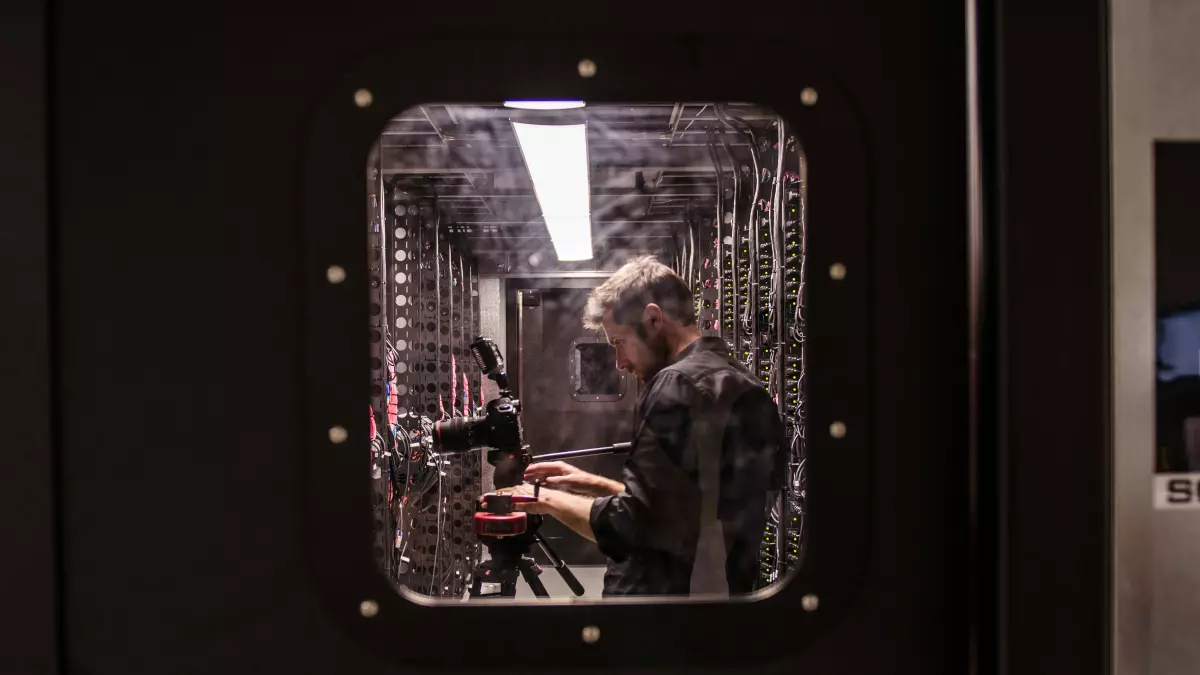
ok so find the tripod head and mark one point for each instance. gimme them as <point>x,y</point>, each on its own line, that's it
<point>509,534</point>
<point>501,519</point>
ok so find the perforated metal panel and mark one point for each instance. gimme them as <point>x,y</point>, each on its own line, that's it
<point>428,291</point>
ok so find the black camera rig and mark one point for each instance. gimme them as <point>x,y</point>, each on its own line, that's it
<point>498,428</point>
<point>508,534</point>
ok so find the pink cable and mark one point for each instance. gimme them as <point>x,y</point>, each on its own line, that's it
<point>466,396</point>
<point>393,402</point>
<point>453,382</point>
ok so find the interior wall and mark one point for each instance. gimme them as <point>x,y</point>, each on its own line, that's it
<point>1155,96</point>
<point>553,418</point>
<point>28,642</point>
<point>492,324</point>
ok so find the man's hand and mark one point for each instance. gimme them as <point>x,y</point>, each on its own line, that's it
<point>573,511</point>
<point>525,490</point>
<point>563,476</point>
<point>543,470</point>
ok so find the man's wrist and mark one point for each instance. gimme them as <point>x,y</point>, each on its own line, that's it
<point>554,501</point>
<point>572,510</point>
<point>549,500</point>
<point>607,487</point>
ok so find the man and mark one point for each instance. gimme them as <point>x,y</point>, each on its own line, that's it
<point>689,513</point>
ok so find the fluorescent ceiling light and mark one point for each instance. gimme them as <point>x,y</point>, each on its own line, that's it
<point>544,105</point>
<point>557,159</point>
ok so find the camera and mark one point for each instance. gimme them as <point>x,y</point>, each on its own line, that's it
<point>508,533</point>
<point>498,429</point>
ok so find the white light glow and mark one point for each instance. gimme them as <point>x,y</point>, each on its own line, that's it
<point>544,105</point>
<point>557,159</point>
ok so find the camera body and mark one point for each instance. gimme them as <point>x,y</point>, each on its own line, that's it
<point>498,429</point>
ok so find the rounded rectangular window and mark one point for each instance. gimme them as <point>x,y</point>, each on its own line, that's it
<point>594,376</point>
<point>587,350</point>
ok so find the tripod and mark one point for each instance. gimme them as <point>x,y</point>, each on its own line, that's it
<point>510,559</point>
<point>509,535</point>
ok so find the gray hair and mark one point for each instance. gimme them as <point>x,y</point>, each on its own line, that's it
<point>638,283</point>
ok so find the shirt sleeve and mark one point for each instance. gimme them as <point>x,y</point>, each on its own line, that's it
<point>659,508</point>
<point>753,465</point>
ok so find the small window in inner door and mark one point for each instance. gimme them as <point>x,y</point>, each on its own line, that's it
<point>594,375</point>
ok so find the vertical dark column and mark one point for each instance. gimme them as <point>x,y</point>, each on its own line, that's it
<point>409,465</point>
<point>441,391</point>
<point>766,245</point>
<point>437,539</point>
<point>706,291</point>
<point>791,348</point>
<point>729,253</point>
<point>378,360</point>
<point>1044,438</point>
<point>767,271</point>
<point>426,496</point>
<point>401,280</point>
<point>772,343</point>
<point>28,343</point>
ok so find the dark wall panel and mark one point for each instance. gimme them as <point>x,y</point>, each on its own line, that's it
<point>1049,457</point>
<point>1177,287</point>
<point>176,173</point>
<point>553,420</point>
<point>1176,223</point>
<point>27,585</point>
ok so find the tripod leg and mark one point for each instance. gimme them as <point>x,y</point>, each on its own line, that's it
<point>529,572</point>
<point>493,572</point>
<point>563,571</point>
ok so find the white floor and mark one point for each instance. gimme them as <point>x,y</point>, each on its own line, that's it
<point>591,576</point>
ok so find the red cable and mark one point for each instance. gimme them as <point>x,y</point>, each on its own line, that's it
<point>466,396</point>
<point>453,382</point>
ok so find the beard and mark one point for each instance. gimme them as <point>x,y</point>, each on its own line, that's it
<point>659,355</point>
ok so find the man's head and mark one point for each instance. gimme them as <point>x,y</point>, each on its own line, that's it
<point>646,312</point>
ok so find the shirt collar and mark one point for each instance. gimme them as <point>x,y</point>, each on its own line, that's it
<point>704,344</point>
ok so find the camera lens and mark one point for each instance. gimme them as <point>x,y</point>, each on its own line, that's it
<point>459,435</point>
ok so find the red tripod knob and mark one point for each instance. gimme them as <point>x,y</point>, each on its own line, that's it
<point>500,519</point>
<point>499,524</point>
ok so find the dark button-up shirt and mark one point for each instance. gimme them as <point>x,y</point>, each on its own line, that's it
<point>703,402</point>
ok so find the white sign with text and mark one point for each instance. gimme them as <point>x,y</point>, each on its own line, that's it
<point>1177,491</point>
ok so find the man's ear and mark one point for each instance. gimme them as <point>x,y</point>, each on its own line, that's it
<point>652,316</point>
